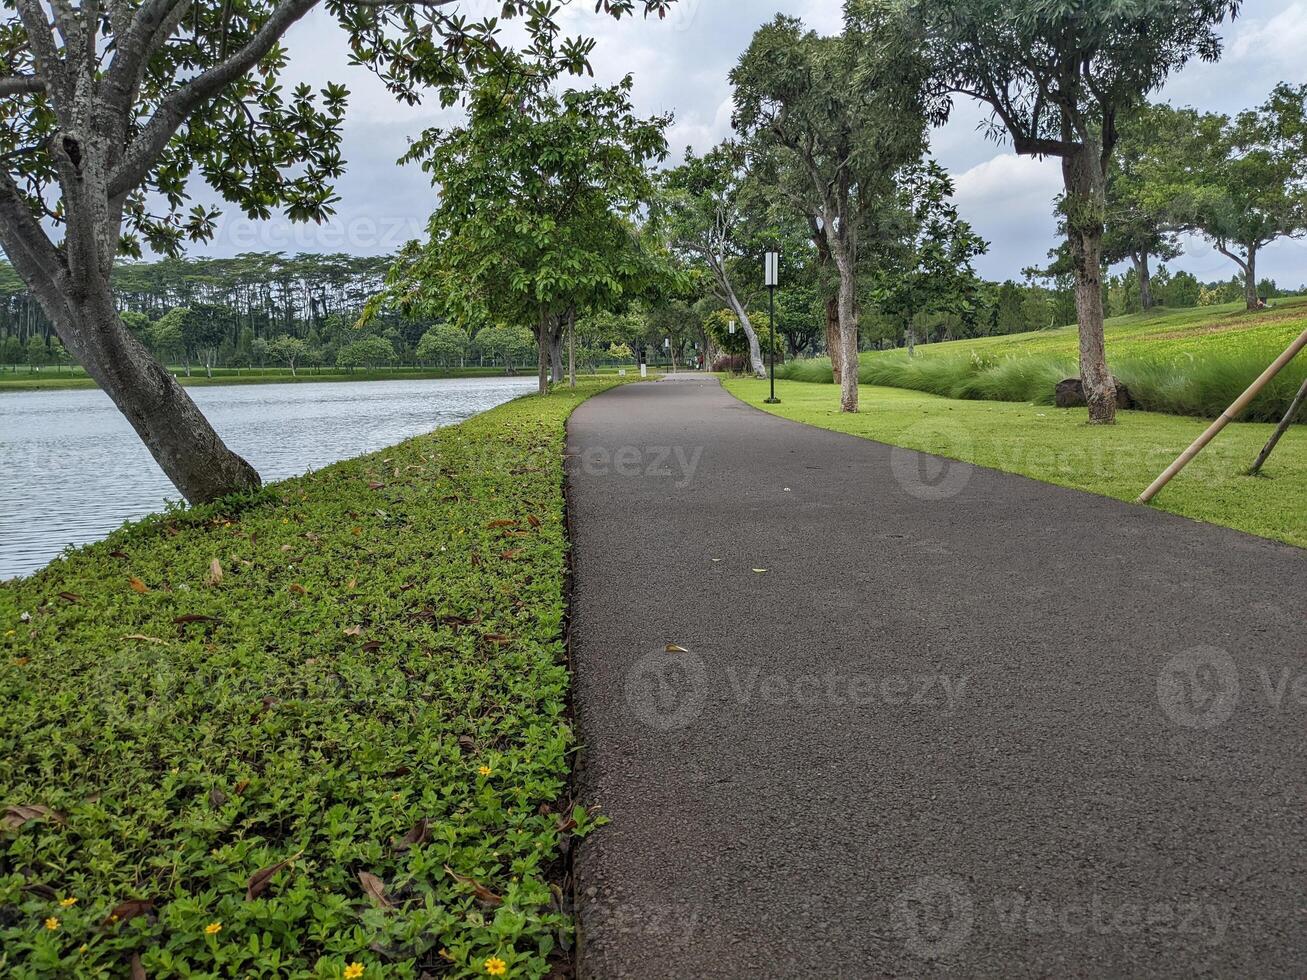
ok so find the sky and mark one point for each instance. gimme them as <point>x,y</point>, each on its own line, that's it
<point>681,64</point>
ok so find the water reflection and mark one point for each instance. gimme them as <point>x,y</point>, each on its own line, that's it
<point>72,469</point>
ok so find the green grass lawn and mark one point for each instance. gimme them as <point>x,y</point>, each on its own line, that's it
<point>1182,362</point>
<point>49,380</point>
<point>327,726</point>
<point>1056,446</point>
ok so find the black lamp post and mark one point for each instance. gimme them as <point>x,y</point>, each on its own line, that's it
<point>773,275</point>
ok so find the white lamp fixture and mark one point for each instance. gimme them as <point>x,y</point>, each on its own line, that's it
<point>773,270</point>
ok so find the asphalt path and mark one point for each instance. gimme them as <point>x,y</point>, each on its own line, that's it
<point>927,718</point>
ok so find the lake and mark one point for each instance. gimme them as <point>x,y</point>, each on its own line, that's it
<point>72,469</point>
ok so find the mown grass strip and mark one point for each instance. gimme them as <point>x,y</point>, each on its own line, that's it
<point>1057,446</point>
<point>318,731</point>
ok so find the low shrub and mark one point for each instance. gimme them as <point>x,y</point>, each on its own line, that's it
<point>1177,385</point>
<point>319,733</point>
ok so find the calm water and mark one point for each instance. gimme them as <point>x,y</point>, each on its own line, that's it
<point>72,469</point>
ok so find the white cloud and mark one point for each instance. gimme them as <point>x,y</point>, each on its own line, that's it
<point>681,64</point>
<point>1280,39</point>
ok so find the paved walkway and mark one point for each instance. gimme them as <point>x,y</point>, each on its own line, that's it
<point>964,723</point>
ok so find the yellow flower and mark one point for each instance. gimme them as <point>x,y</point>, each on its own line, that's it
<point>83,948</point>
<point>496,967</point>
<point>68,902</point>
<point>353,971</point>
<point>213,928</point>
<point>485,770</point>
<point>52,923</point>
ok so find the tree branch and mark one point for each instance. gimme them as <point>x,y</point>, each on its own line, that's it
<point>21,85</point>
<point>177,108</point>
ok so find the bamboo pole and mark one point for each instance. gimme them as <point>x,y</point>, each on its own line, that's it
<point>1280,430</point>
<point>1228,416</point>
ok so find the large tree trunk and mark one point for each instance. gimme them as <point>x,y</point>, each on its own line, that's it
<point>556,355</point>
<point>179,437</point>
<point>1145,281</point>
<point>1082,175</point>
<point>833,336</point>
<point>1251,299</point>
<point>543,336</point>
<point>848,340</point>
<point>571,348</point>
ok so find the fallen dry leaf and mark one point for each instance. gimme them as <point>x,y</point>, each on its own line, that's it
<point>261,880</point>
<point>138,970</point>
<point>354,631</point>
<point>138,586</point>
<point>215,572</point>
<point>501,523</point>
<point>15,816</point>
<point>418,835</point>
<point>482,893</point>
<point>128,910</point>
<point>193,618</point>
<point>217,797</point>
<point>760,570</point>
<point>298,589</point>
<point>70,597</point>
<point>673,648</point>
<point>533,520</point>
<point>142,638</point>
<point>376,890</point>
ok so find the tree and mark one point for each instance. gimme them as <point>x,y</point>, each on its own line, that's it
<point>289,350</point>
<point>203,328</point>
<point>38,354</point>
<point>112,107</point>
<point>846,114</point>
<point>505,344</point>
<point>444,342</point>
<point>1242,183</point>
<point>700,211</point>
<point>370,351</point>
<point>1060,78</point>
<point>538,199</point>
<point>932,272</point>
<point>1137,228</point>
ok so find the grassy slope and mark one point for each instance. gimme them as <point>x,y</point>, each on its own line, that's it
<point>1197,331</point>
<point>1055,446</point>
<point>1183,362</point>
<point>385,656</point>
